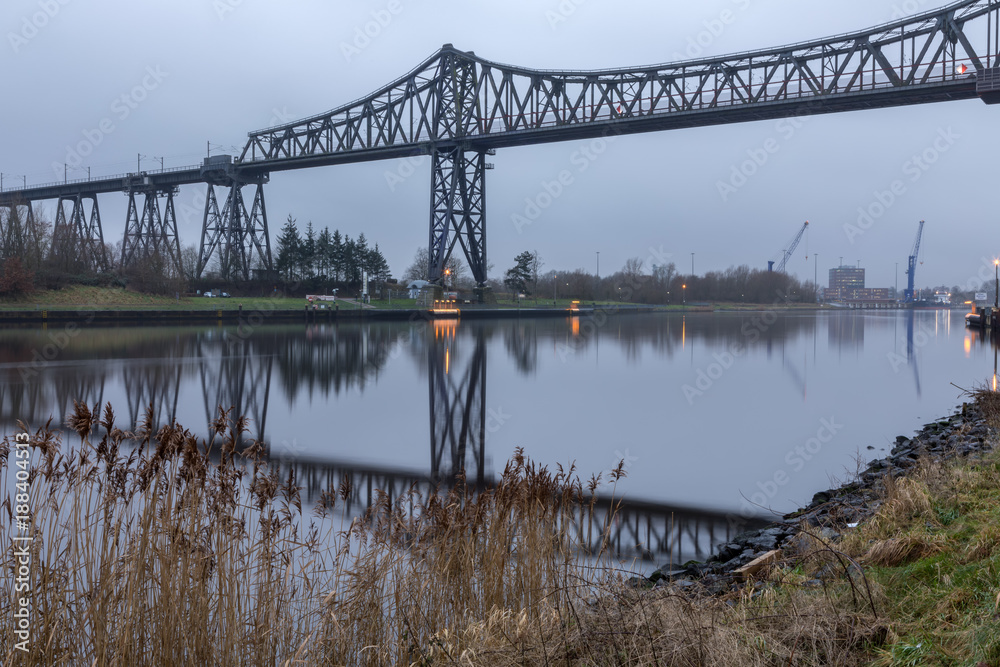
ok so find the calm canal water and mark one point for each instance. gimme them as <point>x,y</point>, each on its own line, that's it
<point>717,413</point>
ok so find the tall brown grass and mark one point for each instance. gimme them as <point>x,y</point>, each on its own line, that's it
<point>156,548</point>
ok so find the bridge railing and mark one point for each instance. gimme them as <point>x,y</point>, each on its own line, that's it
<point>92,179</point>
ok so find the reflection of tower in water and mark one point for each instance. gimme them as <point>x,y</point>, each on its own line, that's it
<point>457,401</point>
<point>847,331</point>
<point>911,357</point>
<point>975,335</point>
<point>153,389</point>
<point>234,377</point>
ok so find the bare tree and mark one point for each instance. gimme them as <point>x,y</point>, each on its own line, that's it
<point>632,268</point>
<point>534,267</point>
<point>458,270</point>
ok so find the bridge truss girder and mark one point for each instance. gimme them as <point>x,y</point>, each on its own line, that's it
<point>238,238</point>
<point>78,239</point>
<point>150,233</point>
<point>454,96</point>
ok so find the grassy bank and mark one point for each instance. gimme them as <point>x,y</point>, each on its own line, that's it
<point>156,548</point>
<point>79,297</point>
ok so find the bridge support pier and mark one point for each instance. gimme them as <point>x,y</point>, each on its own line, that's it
<point>150,233</point>
<point>240,238</point>
<point>458,211</point>
<point>19,235</point>
<point>78,241</point>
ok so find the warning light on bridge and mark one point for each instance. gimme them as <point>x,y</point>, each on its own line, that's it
<point>962,69</point>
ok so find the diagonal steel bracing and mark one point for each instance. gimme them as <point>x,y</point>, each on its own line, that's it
<point>458,211</point>
<point>237,239</point>
<point>18,231</point>
<point>78,238</point>
<point>149,233</point>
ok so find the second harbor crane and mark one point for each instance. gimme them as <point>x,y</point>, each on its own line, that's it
<point>911,265</point>
<point>786,253</point>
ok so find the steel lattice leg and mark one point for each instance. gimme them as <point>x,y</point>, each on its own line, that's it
<point>458,211</point>
<point>239,237</point>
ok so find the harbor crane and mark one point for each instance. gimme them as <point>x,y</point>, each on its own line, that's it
<point>911,265</point>
<point>788,250</point>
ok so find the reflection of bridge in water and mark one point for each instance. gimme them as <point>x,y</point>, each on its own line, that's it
<point>651,531</point>
<point>236,372</point>
<point>458,429</point>
<point>233,372</point>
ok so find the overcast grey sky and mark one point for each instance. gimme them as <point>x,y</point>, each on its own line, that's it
<point>168,76</point>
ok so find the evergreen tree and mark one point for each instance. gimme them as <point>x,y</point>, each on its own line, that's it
<point>323,250</point>
<point>361,254</point>
<point>378,266</point>
<point>337,256</point>
<point>519,276</point>
<point>308,257</point>
<point>289,250</point>
<point>352,270</point>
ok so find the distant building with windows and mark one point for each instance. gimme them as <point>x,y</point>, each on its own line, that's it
<point>847,277</point>
<point>847,285</point>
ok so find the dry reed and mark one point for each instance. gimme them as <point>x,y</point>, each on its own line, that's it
<point>156,548</point>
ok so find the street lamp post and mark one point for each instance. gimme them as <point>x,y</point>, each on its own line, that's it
<point>684,294</point>
<point>996,271</point>
<point>816,274</point>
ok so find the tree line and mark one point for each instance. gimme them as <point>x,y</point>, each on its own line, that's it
<point>35,256</point>
<point>659,284</point>
<point>328,258</point>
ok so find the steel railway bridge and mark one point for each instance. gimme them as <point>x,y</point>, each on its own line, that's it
<point>458,108</point>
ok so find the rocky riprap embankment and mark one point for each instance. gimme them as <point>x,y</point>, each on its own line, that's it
<point>831,511</point>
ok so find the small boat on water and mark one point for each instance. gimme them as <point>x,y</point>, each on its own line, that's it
<point>973,319</point>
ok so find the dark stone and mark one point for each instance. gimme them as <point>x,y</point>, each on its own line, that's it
<point>726,552</point>
<point>767,539</point>
<point>822,497</point>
